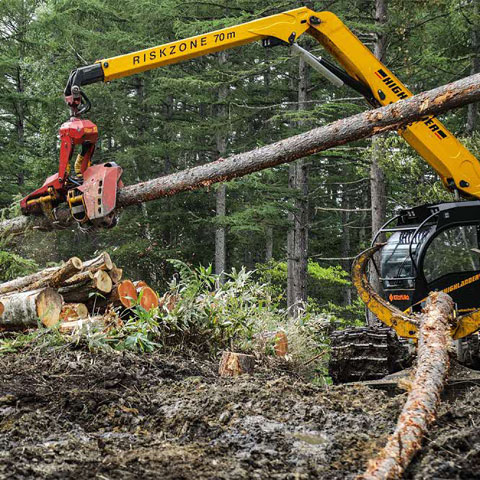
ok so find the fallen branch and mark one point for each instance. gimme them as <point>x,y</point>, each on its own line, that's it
<point>363,125</point>
<point>422,402</point>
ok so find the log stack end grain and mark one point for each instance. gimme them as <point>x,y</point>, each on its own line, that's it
<point>124,294</point>
<point>23,309</point>
<point>73,291</point>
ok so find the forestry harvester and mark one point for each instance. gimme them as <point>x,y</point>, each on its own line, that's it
<point>431,247</point>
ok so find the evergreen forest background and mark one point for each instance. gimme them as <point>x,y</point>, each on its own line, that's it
<point>188,114</point>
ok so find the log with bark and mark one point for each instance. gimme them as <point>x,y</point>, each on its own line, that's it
<point>24,309</point>
<point>77,325</point>
<point>102,261</point>
<point>43,277</point>
<point>424,397</point>
<point>363,125</point>
<point>58,277</point>
<point>98,283</point>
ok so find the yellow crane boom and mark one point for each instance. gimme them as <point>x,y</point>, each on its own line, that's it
<point>456,166</point>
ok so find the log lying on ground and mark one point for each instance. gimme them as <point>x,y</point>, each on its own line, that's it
<point>116,274</point>
<point>233,364</point>
<point>48,277</point>
<point>369,123</point>
<point>430,376</point>
<point>73,311</point>
<point>102,261</point>
<point>58,277</point>
<point>76,325</point>
<point>99,282</point>
<point>124,294</point>
<point>23,309</point>
<point>148,298</point>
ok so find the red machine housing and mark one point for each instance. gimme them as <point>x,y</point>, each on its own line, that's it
<point>95,187</point>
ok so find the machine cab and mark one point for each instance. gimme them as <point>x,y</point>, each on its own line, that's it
<point>432,248</point>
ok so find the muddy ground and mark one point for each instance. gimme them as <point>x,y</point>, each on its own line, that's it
<point>71,414</point>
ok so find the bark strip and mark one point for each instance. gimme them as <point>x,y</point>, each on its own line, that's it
<point>422,402</point>
<point>366,124</point>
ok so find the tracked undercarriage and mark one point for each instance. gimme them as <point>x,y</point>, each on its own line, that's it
<point>367,353</point>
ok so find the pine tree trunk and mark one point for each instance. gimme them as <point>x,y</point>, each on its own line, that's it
<point>377,175</point>
<point>297,240</point>
<point>472,112</point>
<point>221,194</point>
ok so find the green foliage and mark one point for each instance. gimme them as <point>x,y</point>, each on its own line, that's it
<point>213,314</point>
<point>38,339</point>
<point>324,283</point>
<point>13,266</point>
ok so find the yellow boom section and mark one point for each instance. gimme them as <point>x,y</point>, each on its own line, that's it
<point>457,167</point>
<point>455,164</point>
<point>280,26</point>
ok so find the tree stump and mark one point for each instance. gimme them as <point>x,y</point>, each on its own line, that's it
<point>281,344</point>
<point>233,364</point>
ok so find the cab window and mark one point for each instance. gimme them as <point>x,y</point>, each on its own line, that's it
<point>452,251</point>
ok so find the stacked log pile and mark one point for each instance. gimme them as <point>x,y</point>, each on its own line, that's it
<point>72,295</point>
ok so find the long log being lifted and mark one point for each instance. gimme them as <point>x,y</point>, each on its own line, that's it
<point>363,125</point>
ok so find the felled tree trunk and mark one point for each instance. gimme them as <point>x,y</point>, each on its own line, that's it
<point>233,364</point>
<point>99,282</point>
<point>77,325</point>
<point>116,274</point>
<point>148,298</point>
<point>48,277</point>
<point>58,277</point>
<point>102,261</point>
<point>24,309</point>
<point>367,124</point>
<point>422,402</point>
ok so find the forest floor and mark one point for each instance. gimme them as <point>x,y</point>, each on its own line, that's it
<point>72,414</point>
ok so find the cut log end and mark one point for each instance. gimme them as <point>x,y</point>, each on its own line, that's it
<point>73,311</point>
<point>125,294</point>
<point>116,274</point>
<point>77,263</point>
<point>234,364</point>
<point>49,305</point>
<point>102,281</point>
<point>148,298</point>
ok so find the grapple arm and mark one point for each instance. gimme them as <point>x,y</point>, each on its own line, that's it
<point>403,324</point>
